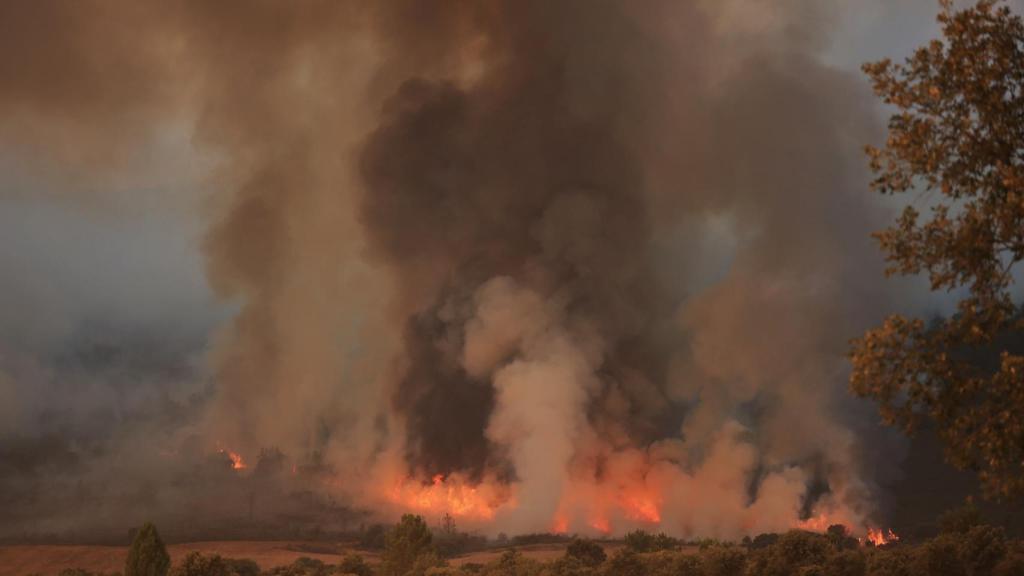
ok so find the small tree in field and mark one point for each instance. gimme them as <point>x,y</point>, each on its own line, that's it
<point>409,548</point>
<point>957,140</point>
<point>588,552</point>
<point>147,555</point>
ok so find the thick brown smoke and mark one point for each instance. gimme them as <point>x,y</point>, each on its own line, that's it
<point>594,262</point>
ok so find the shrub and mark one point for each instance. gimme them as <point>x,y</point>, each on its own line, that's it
<point>959,520</point>
<point>723,561</point>
<point>243,566</point>
<point>568,566</point>
<point>355,564</point>
<point>196,564</point>
<point>665,542</point>
<point>671,563</point>
<point>147,555</point>
<point>792,552</point>
<point>626,562</point>
<point>688,565</point>
<point>890,562</point>
<point>639,541</point>
<point>454,543</point>
<point>1012,565</point>
<point>539,538</point>
<point>508,562</point>
<point>588,552</point>
<point>302,567</point>
<point>939,557</point>
<point>982,548</point>
<point>763,541</point>
<point>846,563</point>
<point>512,563</point>
<point>840,538</point>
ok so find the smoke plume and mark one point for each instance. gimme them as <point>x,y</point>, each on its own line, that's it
<point>579,266</point>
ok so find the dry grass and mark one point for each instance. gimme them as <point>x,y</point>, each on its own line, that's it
<point>542,552</point>
<point>50,560</point>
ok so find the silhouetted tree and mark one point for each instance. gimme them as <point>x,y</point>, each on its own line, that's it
<point>639,541</point>
<point>409,548</point>
<point>147,555</point>
<point>959,520</point>
<point>957,132</point>
<point>940,557</point>
<point>982,548</point>
<point>196,564</point>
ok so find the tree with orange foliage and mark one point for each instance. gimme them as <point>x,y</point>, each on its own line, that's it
<point>958,131</point>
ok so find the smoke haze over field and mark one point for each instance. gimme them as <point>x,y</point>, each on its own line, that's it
<point>577,266</point>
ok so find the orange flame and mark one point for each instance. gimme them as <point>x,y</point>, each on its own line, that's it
<point>642,507</point>
<point>444,495</point>
<point>236,461</point>
<point>560,524</point>
<point>879,538</point>
<point>601,524</point>
<point>819,523</point>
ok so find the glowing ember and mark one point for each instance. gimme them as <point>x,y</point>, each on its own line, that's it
<point>879,538</point>
<point>445,495</point>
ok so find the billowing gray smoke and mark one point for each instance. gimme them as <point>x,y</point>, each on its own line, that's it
<point>583,265</point>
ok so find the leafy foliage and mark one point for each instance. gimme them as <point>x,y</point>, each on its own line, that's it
<point>196,564</point>
<point>355,564</point>
<point>587,552</point>
<point>409,548</point>
<point>642,541</point>
<point>957,132</point>
<point>793,552</point>
<point>839,536</point>
<point>959,520</point>
<point>303,567</point>
<point>147,555</point>
<point>846,563</point>
<point>982,548</point>
<point>895,562</point>
<point>626,562</point>
<point>723,561</point>
<point>940,557</point>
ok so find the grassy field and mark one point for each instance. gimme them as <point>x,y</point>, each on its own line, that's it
<point>48,560</point>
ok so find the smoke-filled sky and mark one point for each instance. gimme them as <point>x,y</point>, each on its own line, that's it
<point>578,266</point>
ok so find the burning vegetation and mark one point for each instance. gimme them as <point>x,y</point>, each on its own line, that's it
<point>414,548</point>
<point>579,267</point>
